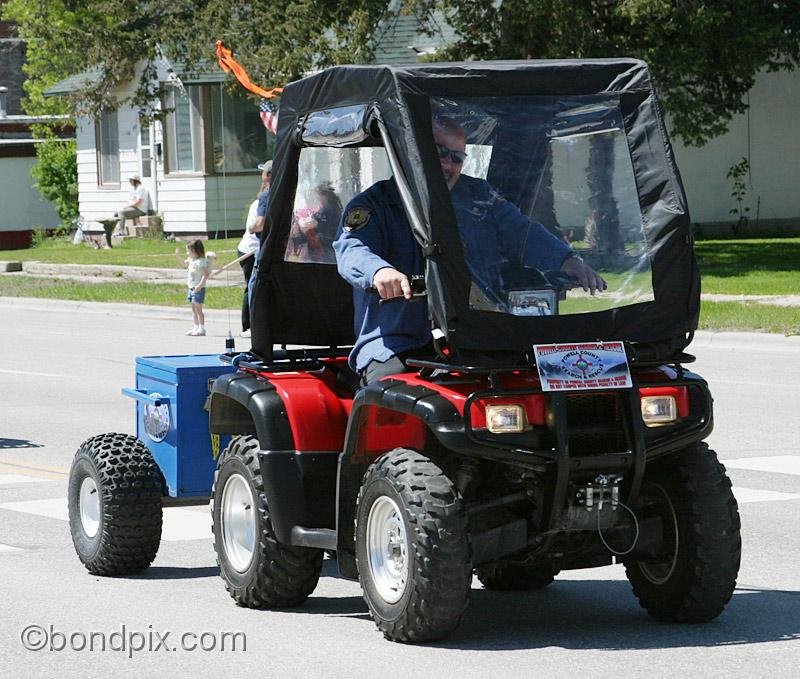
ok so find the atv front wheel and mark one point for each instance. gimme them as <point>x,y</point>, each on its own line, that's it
<point>259,572</point>
<point>114,500</point>
<point>693,577</point>
<point>412,548</point>
<point>516,577</point>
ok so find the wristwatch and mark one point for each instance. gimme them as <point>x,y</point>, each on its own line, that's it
<point>573,255</point>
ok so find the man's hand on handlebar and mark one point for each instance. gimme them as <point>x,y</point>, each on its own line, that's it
<point>391,283</point>
<point>587,277</point>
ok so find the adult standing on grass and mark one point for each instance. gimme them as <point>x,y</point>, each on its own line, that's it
<point>139,204</point>
<point>261,220</point>
<point>250,241</point>
<point>198,270</point>
<point>263,199</point>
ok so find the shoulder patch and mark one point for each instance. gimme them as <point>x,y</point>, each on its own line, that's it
<point>356,218</point>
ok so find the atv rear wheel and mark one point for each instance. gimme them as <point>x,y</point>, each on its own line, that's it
<point>412,548</point>
<point>259,572</point>
<point>114,500</point>
<point>516,577</point>
<point>694,576</point>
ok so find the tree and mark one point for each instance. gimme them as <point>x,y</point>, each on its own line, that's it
<point>276,40</point>
<point>704,54</point>
<point>116,42</point>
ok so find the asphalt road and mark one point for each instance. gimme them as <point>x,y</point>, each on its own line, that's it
<point>62,366</point>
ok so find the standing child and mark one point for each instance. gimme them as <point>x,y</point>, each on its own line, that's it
<point>198,271</point>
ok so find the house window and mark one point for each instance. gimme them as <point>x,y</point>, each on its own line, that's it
<point>240,139</point>
<point>107,136</point>
<point>183,130</point>
<point>146,148</point>
<point>233,138</point>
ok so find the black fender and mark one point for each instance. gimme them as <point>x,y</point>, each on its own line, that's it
<point>425,404</point>
<point>243,404</point>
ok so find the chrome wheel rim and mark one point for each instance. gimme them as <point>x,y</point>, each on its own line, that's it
<point>387,548</point>
<point>238,518</point>
<point>89,507</point>
<point>658,572</point>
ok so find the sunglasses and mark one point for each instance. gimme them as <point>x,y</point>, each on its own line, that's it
<point>456,157</point>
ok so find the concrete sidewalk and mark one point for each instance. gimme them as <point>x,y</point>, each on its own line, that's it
<point>770,342</point>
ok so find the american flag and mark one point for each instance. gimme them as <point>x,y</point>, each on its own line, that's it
<point>269,115</point>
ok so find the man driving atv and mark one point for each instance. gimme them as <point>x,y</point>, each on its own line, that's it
<point>375,248</point>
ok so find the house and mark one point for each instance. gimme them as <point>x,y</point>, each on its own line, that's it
<point>23,207</point>
<point>198,162</point>
<point>768,135</point>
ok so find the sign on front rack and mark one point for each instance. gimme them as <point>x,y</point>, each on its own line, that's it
<point>586,365</point>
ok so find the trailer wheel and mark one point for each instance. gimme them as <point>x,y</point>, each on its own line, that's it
<point>694,576</point>
<point>412,548</point>
<point>516,577</point>
<point>259,572</point>
<point>114,501</point>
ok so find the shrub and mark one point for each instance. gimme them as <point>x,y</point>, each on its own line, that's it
<point>56,175</point>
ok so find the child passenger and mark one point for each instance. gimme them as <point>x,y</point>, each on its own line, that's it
<point>198,271</point>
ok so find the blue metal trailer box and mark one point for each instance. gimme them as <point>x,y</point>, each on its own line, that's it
<point>171,420</point>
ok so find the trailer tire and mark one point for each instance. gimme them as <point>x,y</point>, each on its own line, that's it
<point>413,548</point>
<point>259,572</point>
<point>695,576</point>
<point>114,501</point>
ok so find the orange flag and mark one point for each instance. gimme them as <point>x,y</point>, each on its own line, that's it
<point>228,64</point>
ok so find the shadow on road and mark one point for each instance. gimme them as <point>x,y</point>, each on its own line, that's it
<point>176,573</point>
<point>604,615</point>
<point>8,444</point>
<point>341,606</point>
<point>597,615</point>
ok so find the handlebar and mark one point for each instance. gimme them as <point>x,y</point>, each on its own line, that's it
<point>418,291</point>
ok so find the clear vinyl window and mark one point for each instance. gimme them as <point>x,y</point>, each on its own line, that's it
<point>328,178</point>
<point>532,179</point>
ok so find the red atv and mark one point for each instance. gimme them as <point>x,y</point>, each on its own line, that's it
<point>554,430</point>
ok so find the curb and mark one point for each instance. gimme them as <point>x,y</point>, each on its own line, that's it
<point>112,272</point>
<point>734,340</point>
<point>101,308</point>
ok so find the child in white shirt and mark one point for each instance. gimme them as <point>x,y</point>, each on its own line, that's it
<point>198,270</point>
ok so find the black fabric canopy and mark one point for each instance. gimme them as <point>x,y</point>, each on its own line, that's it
<point>309,303</point>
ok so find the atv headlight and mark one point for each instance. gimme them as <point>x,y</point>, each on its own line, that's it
<point>659,410</point>
<point>506,419</point>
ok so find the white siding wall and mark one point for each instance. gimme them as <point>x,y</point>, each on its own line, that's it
<point>97,202</point>
<point>182,203</point>
<point>774,154</point>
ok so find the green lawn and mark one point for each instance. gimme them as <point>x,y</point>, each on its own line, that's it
<point>749,316</point>
<point>129,292</point>
<point>769,266</point>
<point>763,266</point>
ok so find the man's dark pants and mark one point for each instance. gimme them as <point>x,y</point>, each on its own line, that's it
<point>247,270</point>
